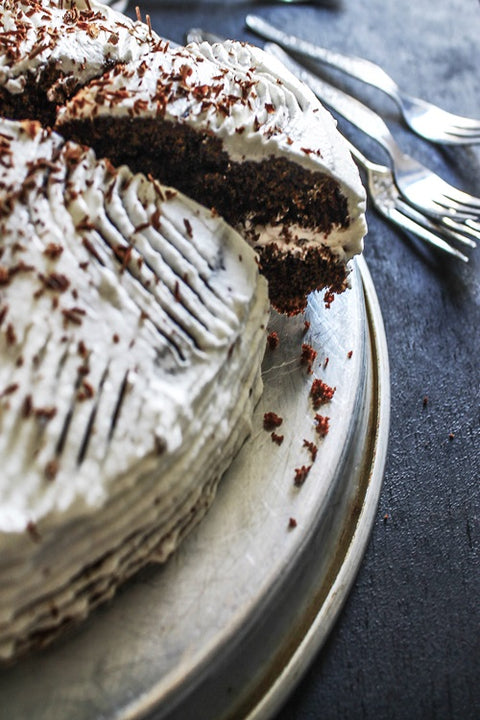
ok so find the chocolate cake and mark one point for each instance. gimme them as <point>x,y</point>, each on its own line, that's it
<point>132,316</point>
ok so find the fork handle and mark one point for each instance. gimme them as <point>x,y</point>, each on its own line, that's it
<point>356,67</point>
<point>350,108</point>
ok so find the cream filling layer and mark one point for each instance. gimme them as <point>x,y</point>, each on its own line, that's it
<point>296,240</point>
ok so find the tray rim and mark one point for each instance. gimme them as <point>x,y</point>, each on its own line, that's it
<point>310,645</point>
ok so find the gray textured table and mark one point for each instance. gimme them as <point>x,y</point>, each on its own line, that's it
<point>407,644</point>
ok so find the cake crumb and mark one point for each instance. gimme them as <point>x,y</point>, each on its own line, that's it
<point>322,425</point>
<point>301,474</point>
<point>328,298</point>
<point>292,523</point>
<point>273,340</point>
<point>321,393</point>
<point>277,439</point>
<point>425,400</point>
<point>312,449</point>
<point>349,354</point>
<point>308,356</point>
<point>271,421</point>
<point>451,436</point>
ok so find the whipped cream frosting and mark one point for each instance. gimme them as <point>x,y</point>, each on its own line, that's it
<point>244,97</point>
<point>132,329</point>
<point>78,37</point>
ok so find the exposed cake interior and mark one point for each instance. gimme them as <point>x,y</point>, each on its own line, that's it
<point>265,198</point>
<point>231,128</point>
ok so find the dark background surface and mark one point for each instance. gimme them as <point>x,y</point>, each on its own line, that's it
<point>407,643</point>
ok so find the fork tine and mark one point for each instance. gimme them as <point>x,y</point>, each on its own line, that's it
<point>464,128</point>
<point>460,206</point>
<point>463,228</point>
<point>463,199</point>
<point>398,217</point>
<point>422,232</point>
<point>438,210</point>
<point>471,134</point>
<point>447,208</point>
<point>452,231</point>
<point>467,124</point>
<point>458,137</point>
<point>473,227</point>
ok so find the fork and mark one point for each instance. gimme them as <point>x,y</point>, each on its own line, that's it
<point>422,187</point>
<point>388,202</point>
<point>427,120</point>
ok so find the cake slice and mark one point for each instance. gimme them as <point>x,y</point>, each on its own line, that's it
<point>230,127</point>
<point>132,329</point>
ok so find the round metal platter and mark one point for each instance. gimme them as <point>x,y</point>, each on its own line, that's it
<point>229,625</point>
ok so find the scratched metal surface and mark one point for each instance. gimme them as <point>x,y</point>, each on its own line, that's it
<point>229,624</point>
<point>403,647</point>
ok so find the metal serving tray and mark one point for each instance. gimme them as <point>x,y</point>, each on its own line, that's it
<point>228,626</point>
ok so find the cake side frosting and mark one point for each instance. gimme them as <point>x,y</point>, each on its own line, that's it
<point>132,328</point>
